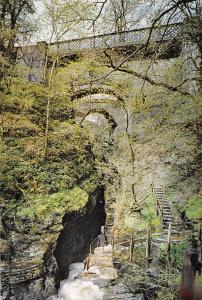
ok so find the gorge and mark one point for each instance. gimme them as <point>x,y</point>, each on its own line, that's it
<point>102,131</point>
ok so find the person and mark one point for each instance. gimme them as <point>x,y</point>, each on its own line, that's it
<point>194,257</point>
<point>188,278</point>
<point>190,267</point>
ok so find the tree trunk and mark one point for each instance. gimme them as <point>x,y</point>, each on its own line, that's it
<point>48,110</point>
<point>131,247</point>
<point>169,244</point>
<point>47,128</point>
<point>148,246</point>
<point>2,127</point>
<point>199,238</point>
<point>113,239</point>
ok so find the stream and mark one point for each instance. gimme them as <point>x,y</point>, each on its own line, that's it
<point>74,288</point>
<point>98,283</point>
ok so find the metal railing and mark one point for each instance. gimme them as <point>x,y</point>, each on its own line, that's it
<point>117,39</point>
<point>93,245</point>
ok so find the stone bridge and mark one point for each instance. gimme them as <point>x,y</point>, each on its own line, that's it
<point>32,57</point>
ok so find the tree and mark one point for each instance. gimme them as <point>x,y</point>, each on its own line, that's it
<point>13,23</point>
<point>62,17</point>
<point>66,17</point>
<point>187,11</point>
<point>120,14</point>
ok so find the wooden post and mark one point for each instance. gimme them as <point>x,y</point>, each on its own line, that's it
<point>131,247</point>
<point>199,240</point>
<point>169,243</point>
<point>148,245</point>
<point>112,239</point>
<point>2,127</point>
<point>87,263</point>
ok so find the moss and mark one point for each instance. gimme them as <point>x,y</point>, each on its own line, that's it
<point>4,246</point>
<point>48,207</point>
<point>193,207</point>
<point>22,163</point>
<point>91,183</point>
<point>19,125</point>
<point>176,255</point>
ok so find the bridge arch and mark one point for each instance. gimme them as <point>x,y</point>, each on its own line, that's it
<point>103,104</point>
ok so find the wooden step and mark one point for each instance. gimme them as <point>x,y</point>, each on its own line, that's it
<point>167,216</point>
<point>165,222</point>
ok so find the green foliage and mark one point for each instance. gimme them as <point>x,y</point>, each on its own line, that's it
<point>133,222</point>
<point>149,217</point>
<point>19,125</point>
<point>69,158</point>
<point>45,207</point>
<point>7,175</point>
<point>90,183</point>
<point>193,207</point>
<point>176,255</point>
<point>74,74</point>
<point>21,154</point>
<point>23,95</point>
<point>137,277</point>
<point>130,223</point>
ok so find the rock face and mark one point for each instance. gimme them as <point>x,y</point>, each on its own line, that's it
<point>30,269</point>
<point>155,142</point>
<point>164,154</point>
<point>29,272</point>
<point>79,231</point>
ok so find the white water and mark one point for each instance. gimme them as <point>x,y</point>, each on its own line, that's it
<point>77,289</point>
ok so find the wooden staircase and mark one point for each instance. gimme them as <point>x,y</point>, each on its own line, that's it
<point>164,210</point>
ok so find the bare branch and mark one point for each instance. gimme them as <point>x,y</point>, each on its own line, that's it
<point>99,14</point>
<point>160,84</point>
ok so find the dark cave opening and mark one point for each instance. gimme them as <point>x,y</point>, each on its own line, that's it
<point>80,229</point>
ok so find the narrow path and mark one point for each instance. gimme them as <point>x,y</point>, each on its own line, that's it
<point>102,273</point>
<point>101,263</point>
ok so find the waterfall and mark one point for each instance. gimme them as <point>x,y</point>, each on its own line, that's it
<point>77,289</point>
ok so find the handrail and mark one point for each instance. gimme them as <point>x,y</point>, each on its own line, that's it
<point>142,239</point>
<point>115,39</point>
<point>91,245</point>
<point>117,33</point>
<point>139,239</point>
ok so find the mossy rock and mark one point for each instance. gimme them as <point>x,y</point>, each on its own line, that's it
<point>4,246</point>
<point>49,209</point>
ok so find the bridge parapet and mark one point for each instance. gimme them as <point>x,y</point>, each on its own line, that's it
<point>33,58</point>
<point>116,39</point>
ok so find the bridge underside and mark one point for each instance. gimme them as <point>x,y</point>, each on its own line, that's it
<point>165,51</point>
